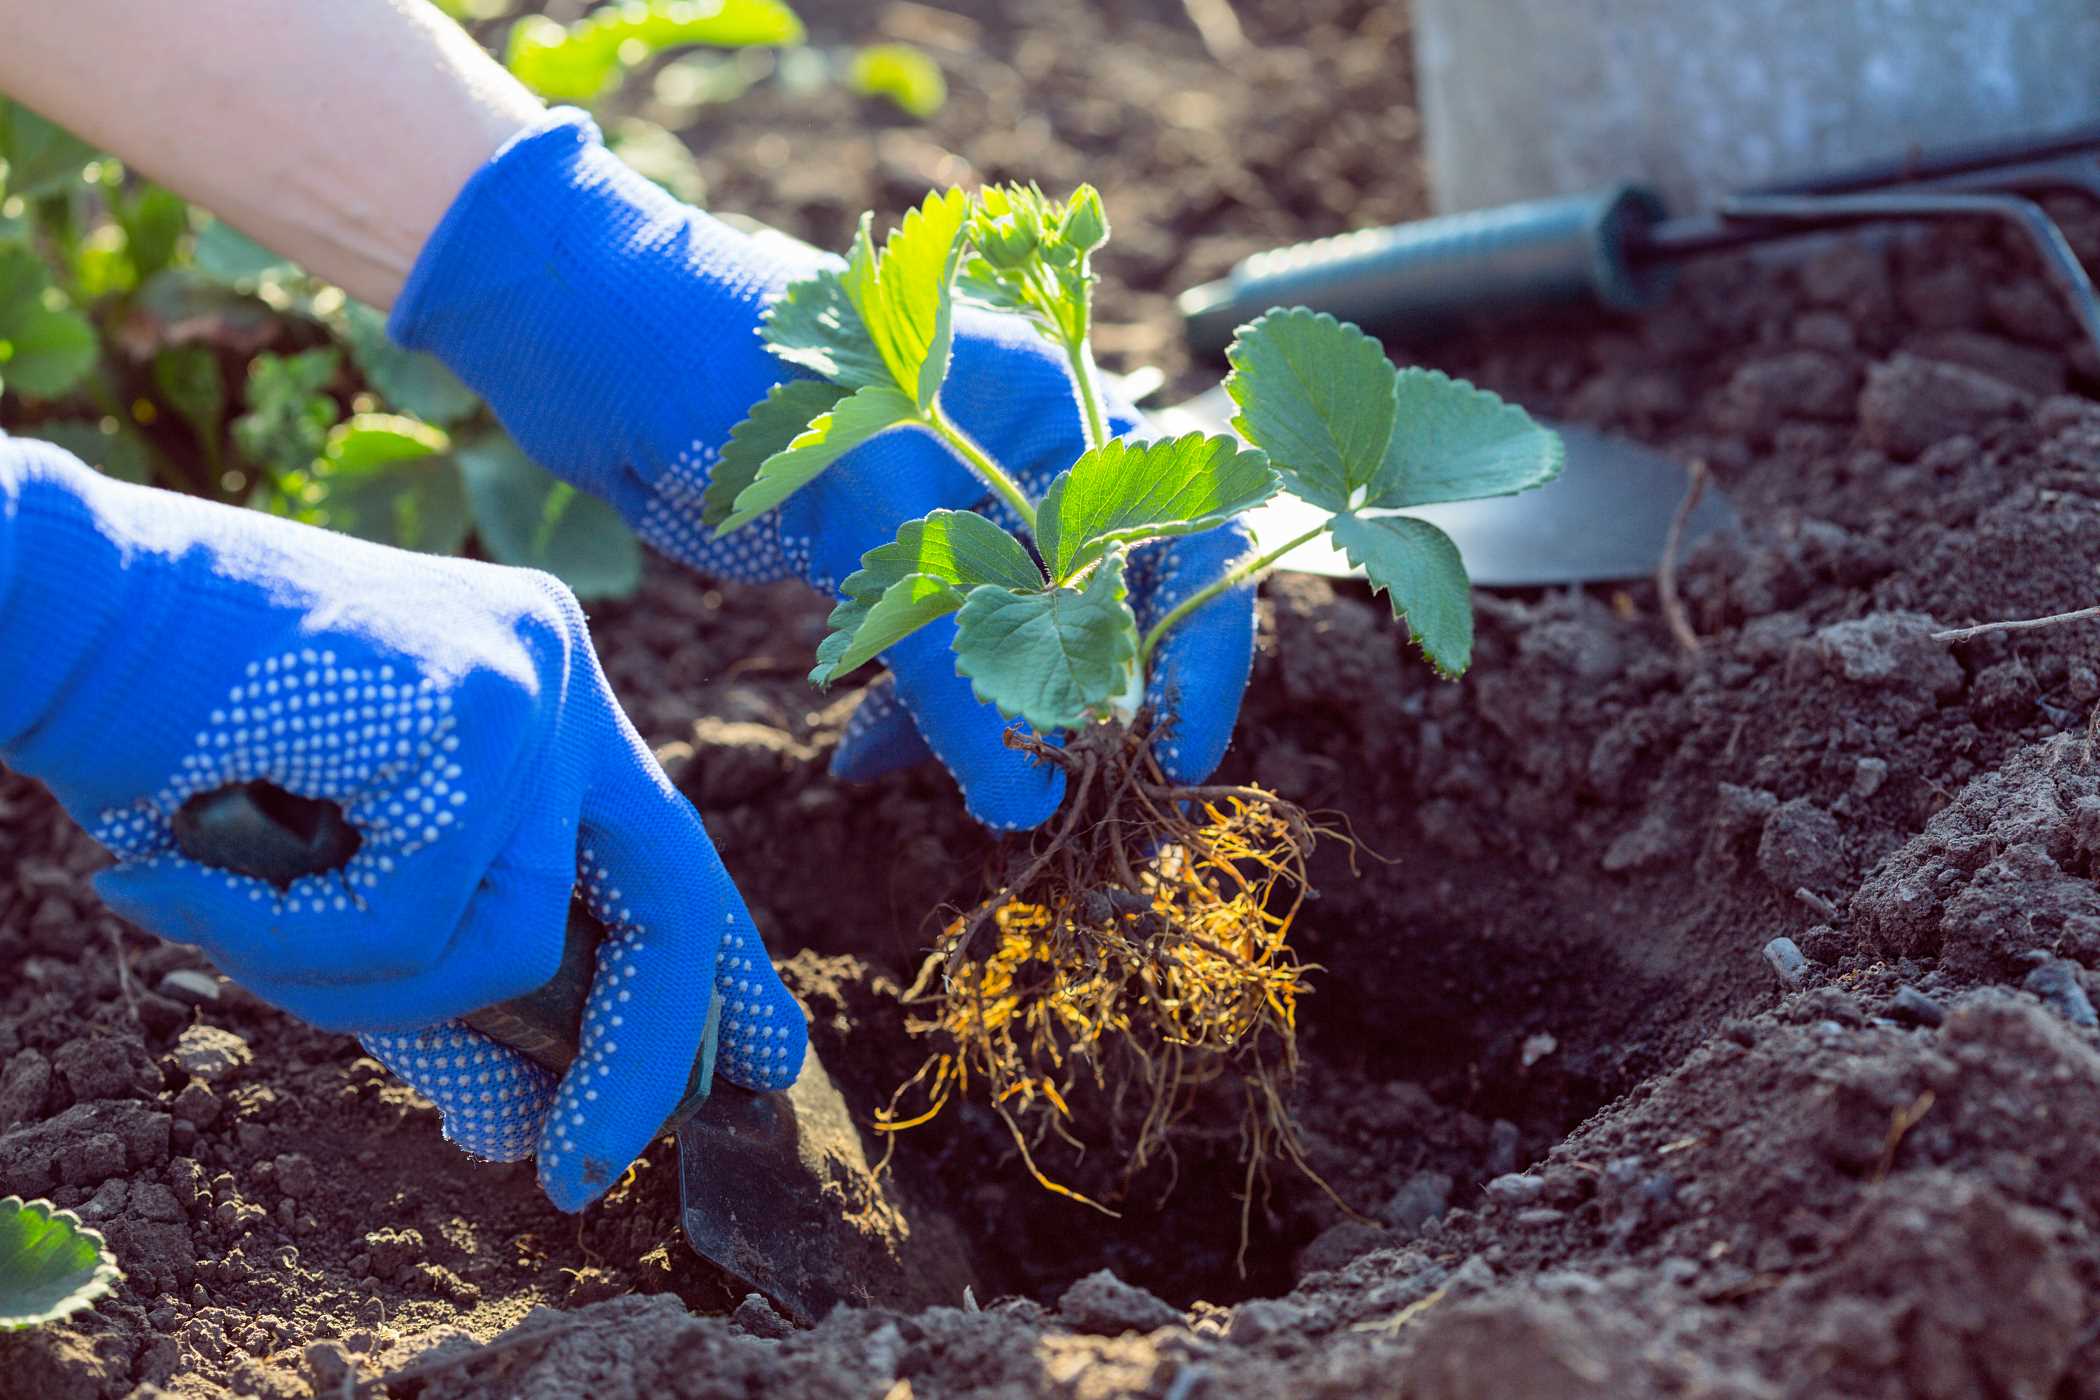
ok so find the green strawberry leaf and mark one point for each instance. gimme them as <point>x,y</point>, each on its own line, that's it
<point>289,414</point>
<point>231,258</point>
<point>118,453</point>
<point>51,1266</point>
<point>1125,490</point>
<point>411,381</point>
<point>957,545</point>
<point>1054,658</point>
<point>392,479</point>
<point>905,294</point>
<point>43,158</point>
<point>903,73</point>
<point>815,326</point>
<point>855,419</point>
<point>1419,570</point>
<point>1454,442</point>
<point>586,60</point>
<point>1317,395</point>
<point>190,380</point>
<point>524,515</point>
<point>904,607</point>
<point>47,352</point>
<point>958,548</point>
<point>153,221</point>
<point>46,348</point>
<point>776,420</point>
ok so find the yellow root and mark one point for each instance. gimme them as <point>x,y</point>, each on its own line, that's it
<point>1143,956</point>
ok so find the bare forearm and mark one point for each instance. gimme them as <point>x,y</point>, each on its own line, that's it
<point>336,133</point>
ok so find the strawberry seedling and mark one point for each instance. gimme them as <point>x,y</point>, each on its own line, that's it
<point>1144,944</point>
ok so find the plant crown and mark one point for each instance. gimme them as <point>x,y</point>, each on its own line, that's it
<point>1048,634</point>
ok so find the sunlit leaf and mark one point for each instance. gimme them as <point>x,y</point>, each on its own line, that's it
<point>389,478</point>
<point>585,61</point>
<point>905,75</point>
<point>816,327</point>
<point>1124,491</point>
<point>960,549</point>
<point>905,293</point>
<point>855,419</point>
<point>902,609</point>
<point>776,420</point>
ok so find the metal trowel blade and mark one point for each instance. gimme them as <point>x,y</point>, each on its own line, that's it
<point>778,1190</point>
<point>1605,517</point>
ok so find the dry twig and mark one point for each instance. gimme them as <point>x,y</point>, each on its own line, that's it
<point>1673,609</point>
<point>1962,634</point>
<point>1218,26</point>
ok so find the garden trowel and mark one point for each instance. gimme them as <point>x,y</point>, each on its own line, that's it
<point>1607,516</point>
<point>776,1190</point>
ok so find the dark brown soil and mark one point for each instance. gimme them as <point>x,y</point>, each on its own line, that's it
<point>1615,1146</point>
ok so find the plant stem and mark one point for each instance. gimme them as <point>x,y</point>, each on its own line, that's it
<point>1233,577</point>
<point>1081,357</point>
<point>981,462</point>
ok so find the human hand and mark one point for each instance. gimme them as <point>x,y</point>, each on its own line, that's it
<point>616,332</point>
<point>159,648</point>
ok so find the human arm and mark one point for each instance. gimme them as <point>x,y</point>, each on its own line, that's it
<point>159,648</point>
<point>336,133</point>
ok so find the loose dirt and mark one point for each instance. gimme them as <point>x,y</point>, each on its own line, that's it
<point>1612,1137</point>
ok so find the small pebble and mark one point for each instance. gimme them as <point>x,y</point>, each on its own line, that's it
<point>2056,982</point>
<point>1914,1006</point>
<point>1541,1216</point>
<point>758,1317</point>
<point>186,984</point>
<point>1785,959</point>
<point>1515,1190</point>
<point>1263,1318</point>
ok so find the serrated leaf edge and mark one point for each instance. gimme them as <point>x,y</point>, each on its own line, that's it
<point>1559,444</point>
<point>1443,672</point>
<point>98,1285</point>
<point>1291,475</point>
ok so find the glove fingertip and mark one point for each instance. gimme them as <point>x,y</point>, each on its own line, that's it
<point>490,1098</point>
<point>1003,788</point>
<point>880,738</point>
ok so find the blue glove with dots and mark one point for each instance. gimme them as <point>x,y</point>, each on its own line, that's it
<point>159,648</point>
<point>616,333</point>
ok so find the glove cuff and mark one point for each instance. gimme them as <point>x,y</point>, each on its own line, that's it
<point>612,328</point>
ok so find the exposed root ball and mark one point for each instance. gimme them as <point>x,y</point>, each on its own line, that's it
<point>1138,956</point>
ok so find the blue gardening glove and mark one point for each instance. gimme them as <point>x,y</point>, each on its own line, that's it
<point>616,332</point>
<point>157,647</point>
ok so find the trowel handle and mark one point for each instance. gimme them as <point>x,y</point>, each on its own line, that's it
<point>545,1024</point>
<point>1545,251</point>
<point>259,830</point>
